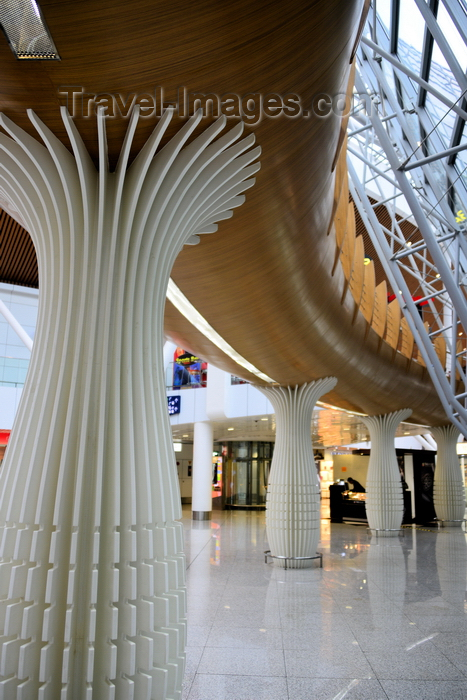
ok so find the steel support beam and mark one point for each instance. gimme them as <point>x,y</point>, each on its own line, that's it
<point>411,74</point>
<point>431,159</point>
<point>385,146</point>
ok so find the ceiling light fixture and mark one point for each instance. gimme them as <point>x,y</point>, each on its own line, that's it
<point>24,27</point>
<point>322,404</point>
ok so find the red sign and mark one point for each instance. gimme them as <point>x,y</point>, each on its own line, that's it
<point>391,297</point>
<point>4,435</point>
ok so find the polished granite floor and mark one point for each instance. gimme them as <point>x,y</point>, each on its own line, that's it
<point>384,618</point>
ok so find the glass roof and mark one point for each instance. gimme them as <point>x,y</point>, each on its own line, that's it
<point>407,146</point>
<point>428,39</point>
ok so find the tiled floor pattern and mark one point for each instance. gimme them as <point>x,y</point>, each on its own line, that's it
<point>385,619</point>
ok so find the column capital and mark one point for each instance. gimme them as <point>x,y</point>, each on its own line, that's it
<point>386,422</point>
<point>306,395</point>
<point>448,432</point>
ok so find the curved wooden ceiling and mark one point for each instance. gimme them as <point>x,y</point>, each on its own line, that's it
<point>265,281</point>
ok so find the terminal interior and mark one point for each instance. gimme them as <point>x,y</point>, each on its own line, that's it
<point>233,350</point>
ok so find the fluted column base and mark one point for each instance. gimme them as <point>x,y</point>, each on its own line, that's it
<point>448,490</point>
<point>385,500</point>
<point>292,503</point>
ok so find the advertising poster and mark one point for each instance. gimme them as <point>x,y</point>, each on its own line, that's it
<point>188,369</point>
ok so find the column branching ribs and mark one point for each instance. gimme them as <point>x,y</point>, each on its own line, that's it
<point>92,599</point>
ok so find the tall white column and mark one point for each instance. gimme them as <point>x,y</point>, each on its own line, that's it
<point>448,490</point>
<point>92,599</point>
<point>292,502</point>
<point>385,499</point>
<point>201,504</point>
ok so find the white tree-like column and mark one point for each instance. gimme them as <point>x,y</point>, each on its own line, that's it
<point>385,499</point>
<point>448,490</point>
<point>293,498</point>
<point>92,594</point>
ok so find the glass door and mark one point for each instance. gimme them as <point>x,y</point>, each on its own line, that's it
<point>246,477</point>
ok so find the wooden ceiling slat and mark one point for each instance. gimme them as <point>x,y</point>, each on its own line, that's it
<point>18,263</point>
<point>393,327</point>
<point>378,322</point>
<point>358,271</point>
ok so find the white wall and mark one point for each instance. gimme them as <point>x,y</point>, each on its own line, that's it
<point>22,302</point>
<point>237,401</point>
<point>246,400</point>
<point>14,355</point>
<point>9,401</point>
<point>355,466</point>
<point>192,405</point>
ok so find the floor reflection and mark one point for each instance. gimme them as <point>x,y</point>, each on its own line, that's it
<point>385,619</point>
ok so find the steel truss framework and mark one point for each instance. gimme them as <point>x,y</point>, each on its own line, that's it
<point>398,155</point>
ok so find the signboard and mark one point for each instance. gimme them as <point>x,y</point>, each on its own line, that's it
<point>174,404</point>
